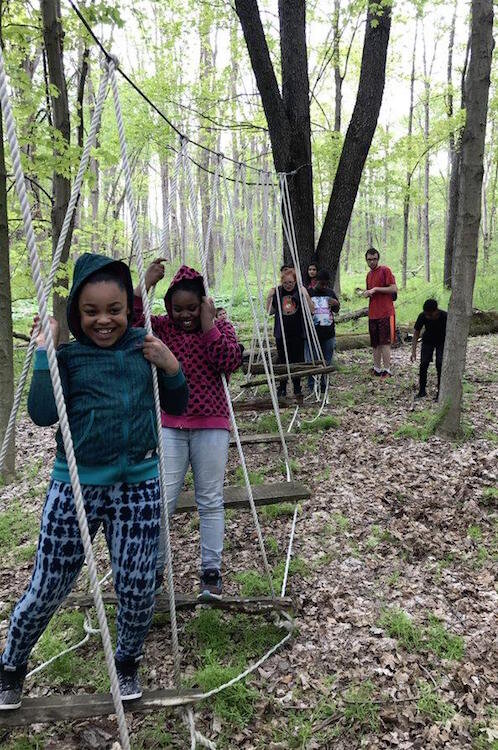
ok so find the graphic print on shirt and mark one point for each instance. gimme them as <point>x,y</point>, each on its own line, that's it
<point>323,314</point>
<point>289,305</point>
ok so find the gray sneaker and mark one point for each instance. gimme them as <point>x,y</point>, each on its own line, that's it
<point>129,683</point>
<point>11,682</point>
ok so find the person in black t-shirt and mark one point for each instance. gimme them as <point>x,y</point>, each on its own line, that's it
<point>433,321</point>
<point>326,304</point>
<point>293,324</point>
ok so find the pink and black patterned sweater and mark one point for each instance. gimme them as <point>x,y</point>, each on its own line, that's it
<point>203,357</point>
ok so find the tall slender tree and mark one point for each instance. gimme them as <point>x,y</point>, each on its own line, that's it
<point>469,215</point>
<point>53,37</point>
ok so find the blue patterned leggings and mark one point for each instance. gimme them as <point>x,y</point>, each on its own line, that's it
<point>130,514</point>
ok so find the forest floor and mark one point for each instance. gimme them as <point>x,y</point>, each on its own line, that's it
<point>393,580</point>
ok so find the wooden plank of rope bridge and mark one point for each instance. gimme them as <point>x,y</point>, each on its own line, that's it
<point>263,494</point>
<point>320,370</point>
<point>263,404</point>
<point>51,708</point>
<point>258,369</point>
<point>253,604</point>
<point>269,437</point>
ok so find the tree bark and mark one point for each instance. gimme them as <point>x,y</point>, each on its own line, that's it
<point>53,36</point>
<point>469,214</point>
<point>409,172</point>
<point>453,196</point>
<point>358,136</point>
<point>287,113</point>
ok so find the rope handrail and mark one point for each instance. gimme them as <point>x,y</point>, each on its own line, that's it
<point>60,402</point>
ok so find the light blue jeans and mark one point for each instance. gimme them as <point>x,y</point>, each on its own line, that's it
<point>207,452</point>
<point>328,348</point>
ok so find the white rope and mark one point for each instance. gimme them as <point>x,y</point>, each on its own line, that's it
<point>59,400</point>
<point>148,326</point>
<point>89,630</point>
<point>190,183</point>
<point>75,192</point>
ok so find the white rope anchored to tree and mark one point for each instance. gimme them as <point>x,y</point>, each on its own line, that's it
<point>60,403</point>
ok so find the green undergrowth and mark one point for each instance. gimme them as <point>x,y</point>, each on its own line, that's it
<point>434,638</point>
<point>254,583</point>
<point>277,510</point>
<point>327,422</point>
<point>24,742</point>
<point>360,710</point>
<point>422,424</point>
<point>432,705</point>
<point>17,527</point>
<point>78,667</point>
<point>225,645</point>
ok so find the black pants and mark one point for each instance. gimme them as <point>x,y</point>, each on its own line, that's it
<point>295,351</point>
<point>426,359</point>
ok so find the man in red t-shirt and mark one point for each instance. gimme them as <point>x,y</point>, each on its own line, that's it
<point>381,286</point>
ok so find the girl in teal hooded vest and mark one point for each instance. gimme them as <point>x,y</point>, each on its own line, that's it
<point>107,383</point>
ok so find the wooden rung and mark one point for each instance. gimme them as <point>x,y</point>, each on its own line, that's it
<point>263,494</point>
<point>249,605</point>
<point>262,404</point>
<point>269,437</point>
<point>52,708</point>
<point>321,370</point>
<point>258,369</point>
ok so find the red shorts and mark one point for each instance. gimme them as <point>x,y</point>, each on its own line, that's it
<point>382,331</point>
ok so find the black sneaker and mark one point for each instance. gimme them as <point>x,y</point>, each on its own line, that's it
<point>211,584</point>
<point>11,682</point>
<point>129,683</point>
<point>421,394</point>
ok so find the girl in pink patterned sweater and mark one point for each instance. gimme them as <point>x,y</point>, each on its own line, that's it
<point>206,348</point>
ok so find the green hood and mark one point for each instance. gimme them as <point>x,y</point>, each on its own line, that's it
<point>86,266</point>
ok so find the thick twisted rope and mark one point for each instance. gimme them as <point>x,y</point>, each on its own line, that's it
<point>59,400</point>
<point>71,206</point>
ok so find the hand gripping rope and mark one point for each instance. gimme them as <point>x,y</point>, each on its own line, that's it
<point>59,400</point>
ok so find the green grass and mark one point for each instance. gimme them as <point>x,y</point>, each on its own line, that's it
<point>225,645</point>
<point>235,704</point>
<point>431,705</point>
<point>17,527</point>
<point>422,424</point>
<point>434,638</point>
<point>75,668</point>
<point>277,510</point>
<point>255,477</point>
<point>474,532</point>
<point>328,422</point>
<point>254,583</point>
<point>25,742</point>
<point>360,711</point>
<point>490,496</point>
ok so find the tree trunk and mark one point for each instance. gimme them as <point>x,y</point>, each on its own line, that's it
<point>93,168</point>
<point>427,162</point>
<point>53,38</point>
<point>337,70</point>
<point>358,136</point>
<point>469,215</point>
<point>409,172</point>
<point>287,113</point>
<point>453,196</point>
